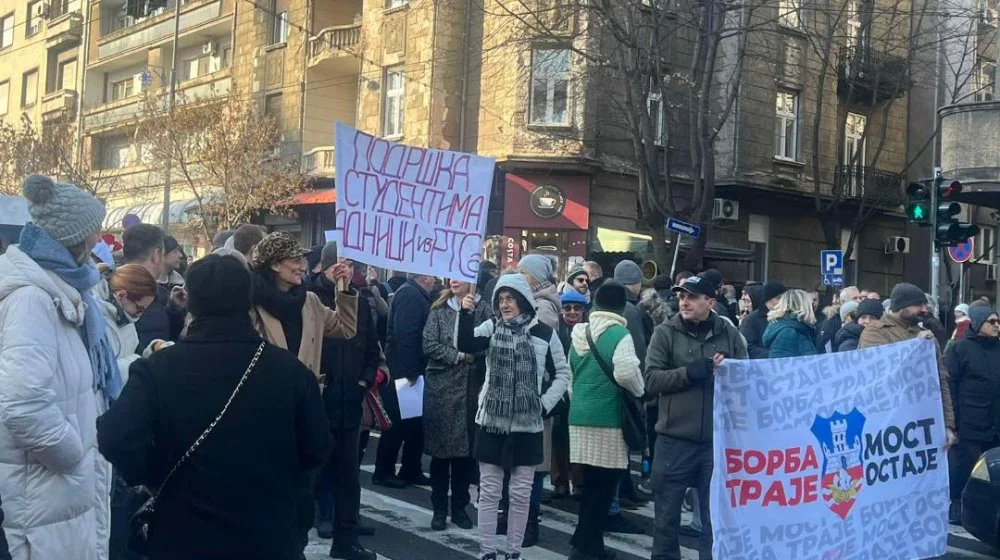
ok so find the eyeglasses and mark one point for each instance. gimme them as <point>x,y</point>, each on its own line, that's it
<point>993,322</point>
<point>139,309</point>
<point>581,280</point>
<point>573,308</point>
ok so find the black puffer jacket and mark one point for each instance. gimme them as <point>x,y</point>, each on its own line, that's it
<point>346,362</point>
<point>848,337</point>
<point>752,328</point>
<point>974,365</point>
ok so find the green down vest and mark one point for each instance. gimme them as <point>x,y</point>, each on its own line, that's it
<point>595,400</point>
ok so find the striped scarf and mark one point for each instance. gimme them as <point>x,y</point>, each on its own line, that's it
<point>512,403</point>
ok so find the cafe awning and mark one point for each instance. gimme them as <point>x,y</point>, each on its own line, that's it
<point>618,241</point>
<point>316,196</point>
<point>180,213</point>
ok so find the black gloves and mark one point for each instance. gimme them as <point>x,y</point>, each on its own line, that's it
<point>700,369</point>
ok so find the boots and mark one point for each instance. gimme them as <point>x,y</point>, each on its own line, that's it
<point>531,530</point>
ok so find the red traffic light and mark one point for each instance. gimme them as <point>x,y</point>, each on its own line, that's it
<point>954,188</point>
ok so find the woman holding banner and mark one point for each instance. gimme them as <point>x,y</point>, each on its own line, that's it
<point>521,354</point>
<point>451,383</point>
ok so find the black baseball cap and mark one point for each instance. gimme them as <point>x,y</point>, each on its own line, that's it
<point>697,285</point>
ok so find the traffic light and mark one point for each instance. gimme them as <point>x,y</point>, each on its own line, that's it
<point>948,231</point>
<point>918,209</point>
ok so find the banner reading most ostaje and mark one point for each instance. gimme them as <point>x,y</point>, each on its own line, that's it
<point>412,209</point>
<point>836,456</point>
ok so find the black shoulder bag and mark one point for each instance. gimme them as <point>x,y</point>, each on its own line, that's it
<point>141,524</point>
<point>633,417</point>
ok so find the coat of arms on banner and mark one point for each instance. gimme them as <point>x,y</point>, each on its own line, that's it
<point>839,436</point>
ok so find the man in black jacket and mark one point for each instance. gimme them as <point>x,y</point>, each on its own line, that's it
<point>143,244</point>
<point>408,314</point>
<point>755,324</point>
<point>349,367</point>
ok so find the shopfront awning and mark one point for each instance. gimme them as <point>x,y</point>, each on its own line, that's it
<point>317,196</point>
<point>180,213</point>
<point>617,241</point>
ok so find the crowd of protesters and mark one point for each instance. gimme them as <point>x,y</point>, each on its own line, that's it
<point>240,391</point>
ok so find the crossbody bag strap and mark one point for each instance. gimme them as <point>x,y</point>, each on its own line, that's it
<point>600,361</point>
<point>197,443</point>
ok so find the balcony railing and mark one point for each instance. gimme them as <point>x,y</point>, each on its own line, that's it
<point>58,104</point>
<point>874,186</point>
<point>334,39</point>
<point>868,76</point>
<point>63,29</point>
<point>319,161</point>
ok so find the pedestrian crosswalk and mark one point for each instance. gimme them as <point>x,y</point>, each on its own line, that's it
<point>402,520</point>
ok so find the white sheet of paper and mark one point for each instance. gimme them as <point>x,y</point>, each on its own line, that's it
<point>411,399</point>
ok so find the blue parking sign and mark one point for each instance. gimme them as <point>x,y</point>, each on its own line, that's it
<point>831,265</point>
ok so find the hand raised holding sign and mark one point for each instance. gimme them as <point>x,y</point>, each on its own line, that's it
<point>469,302</point>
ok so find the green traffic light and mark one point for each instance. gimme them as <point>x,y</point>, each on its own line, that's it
<point>918,212</point>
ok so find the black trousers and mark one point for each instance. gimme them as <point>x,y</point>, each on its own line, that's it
<point>125,502</point>
<point>408,435</point>
<point>962,458</point>
<point>458,473</point>
<point>338,487</point>
<point>678,465</point>
<point>305,508</point>
<point>598,490</point>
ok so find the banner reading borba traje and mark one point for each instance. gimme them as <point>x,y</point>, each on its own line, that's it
<point>829,457</point>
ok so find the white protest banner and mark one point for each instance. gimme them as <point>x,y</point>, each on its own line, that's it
<point>831,457</point>
<point>414,209</point>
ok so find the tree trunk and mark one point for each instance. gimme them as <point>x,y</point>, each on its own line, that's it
<point>662,253</point>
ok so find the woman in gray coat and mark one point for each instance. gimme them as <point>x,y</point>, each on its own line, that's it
<point>452,383</point>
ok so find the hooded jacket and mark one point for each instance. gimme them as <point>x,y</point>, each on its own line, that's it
<point>553,371</point>
<point>54,483</point>
<point>547,304</point>
<point>752,328</point>
<point>685,403</point>
<point>974,364</point>
<point>848,337</point>
<point>653,305</point>
<point>789,338</point>
<point>890,328</point>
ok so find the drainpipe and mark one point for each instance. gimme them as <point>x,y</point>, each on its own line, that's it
<point>465,76</point>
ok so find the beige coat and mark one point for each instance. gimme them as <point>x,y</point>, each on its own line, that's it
<point>318,321</point>
<point>891,329</point>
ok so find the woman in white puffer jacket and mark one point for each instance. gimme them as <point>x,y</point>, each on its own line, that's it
<point>56,373</point>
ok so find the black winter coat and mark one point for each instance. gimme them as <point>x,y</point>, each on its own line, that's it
<point>345,363</point>
<point>974,365</point>
<point>847,338</point>
<point>236,495</point>
<point>411,306</point>
<point>752,328</point>
<point>828,330</point>
<point>159,321</point>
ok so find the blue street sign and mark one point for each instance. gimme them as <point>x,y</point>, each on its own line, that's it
<point>831,265</point>
<point>683,228</point>
<point>963,251</point>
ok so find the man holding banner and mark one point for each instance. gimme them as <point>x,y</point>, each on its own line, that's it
<point>680,365</point>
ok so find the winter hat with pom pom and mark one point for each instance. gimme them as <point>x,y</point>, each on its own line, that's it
<point>67,213</point>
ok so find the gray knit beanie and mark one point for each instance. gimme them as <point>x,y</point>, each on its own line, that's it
<point>538,266</point>
<point>67,213</point>
<point>629,273</point>
<point>978,315</point>
<point>328,257</point>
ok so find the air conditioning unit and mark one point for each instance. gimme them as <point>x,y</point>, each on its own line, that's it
<point>896,245</point>
<point>725,209</point>
<point>210,47</point>
<point>991,273</point>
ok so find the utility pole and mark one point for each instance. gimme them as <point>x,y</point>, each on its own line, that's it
<point>935,254</point>
<point>171,99</point>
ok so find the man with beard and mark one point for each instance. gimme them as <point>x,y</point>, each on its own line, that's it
<point>909,308</point>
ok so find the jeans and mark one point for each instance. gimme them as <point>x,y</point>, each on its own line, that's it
<point>677,466</point>
<point>696,522</point>
<point>962,458</point>
<point>598,487</point>
<point>338,488</point>
<point>490,489</point>
<point>457,473</point>
<point>409,435</point>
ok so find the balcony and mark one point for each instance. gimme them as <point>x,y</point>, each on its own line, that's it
<point>58,104</point>
<point>340,40</point>
<point>872,186</point>
<point>159,27</point>
<point>115,113</point>
<point>319,162</point>
<point>64,30</point>
<point>866,76</point>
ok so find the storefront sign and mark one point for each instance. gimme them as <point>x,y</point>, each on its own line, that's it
<point>547,201</point>
<point>510,252</point>
<point>411,209</point>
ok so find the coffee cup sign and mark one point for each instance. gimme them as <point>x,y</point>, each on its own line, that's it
<point>547,201</point>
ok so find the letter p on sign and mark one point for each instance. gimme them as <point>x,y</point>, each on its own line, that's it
<point>832,262</point>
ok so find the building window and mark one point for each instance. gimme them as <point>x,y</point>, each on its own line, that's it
<point>788,13</point>
<point>654,106</point>
<point>392,104</point>
<point>550,87</point>
<point>853,23</point>
<point>279,25</point>
<point>272,108</point>
<point>34,23</point>
<point>984,245</point>
<point>854,139</point>
<point>29,88</point>
<point>7,36</point>
<point>4,96</point>
<point>115,152</point>
<point>786,130</point>
<point>202,65</point>
<point>986,71</point>
<point>67,75</point>
<point>392,4</point>
<point>123,88</point>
